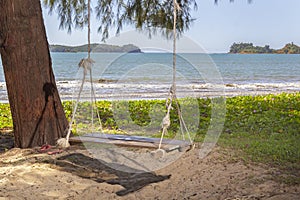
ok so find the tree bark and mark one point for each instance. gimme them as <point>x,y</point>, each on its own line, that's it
<point>38,115</point>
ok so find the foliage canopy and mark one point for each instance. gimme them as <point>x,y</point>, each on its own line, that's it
<point>151,16</point>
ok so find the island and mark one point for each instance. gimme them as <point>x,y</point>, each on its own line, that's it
<point>102,48</point>
<point>249,48</point>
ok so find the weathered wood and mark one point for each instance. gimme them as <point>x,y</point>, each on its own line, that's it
<point>136,138</point>
<point>112,142</point>
<point>38,115</point>
<point>131,141</point>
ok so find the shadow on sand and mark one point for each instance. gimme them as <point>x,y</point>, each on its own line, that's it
<point>87,167</point>
<point>93,169</point>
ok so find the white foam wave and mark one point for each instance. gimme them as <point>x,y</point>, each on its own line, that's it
<point>111,91</point>
<point>154,91</point>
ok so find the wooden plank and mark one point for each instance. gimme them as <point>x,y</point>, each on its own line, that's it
<point>113,142</point>
<point>131,141</point>
<point>136,138</point>
<point>123,137</point>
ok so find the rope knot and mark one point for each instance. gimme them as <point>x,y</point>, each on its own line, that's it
<point>177,6</point>
<point>86,64</point>
<point>166,121</point>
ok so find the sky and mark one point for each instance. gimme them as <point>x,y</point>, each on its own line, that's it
<point>216,28</point>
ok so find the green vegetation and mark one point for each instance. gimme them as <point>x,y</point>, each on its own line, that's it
<point>263,128</point>
<point>248,48</point>
<point>289,49</point>
<point>96,48</point>
<point>5,117</point>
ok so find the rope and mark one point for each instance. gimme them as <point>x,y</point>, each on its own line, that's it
<point>166,122</point>
<point>89,29</point>
<point>93,96</point>
<point>86,64</point>
<point>176,9</point>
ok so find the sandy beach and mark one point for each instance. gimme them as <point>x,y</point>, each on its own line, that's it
<point>76,174</point>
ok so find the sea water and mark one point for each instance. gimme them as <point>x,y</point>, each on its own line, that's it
<point>150,75</point>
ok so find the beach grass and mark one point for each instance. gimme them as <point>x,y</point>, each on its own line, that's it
<point>263,128</point>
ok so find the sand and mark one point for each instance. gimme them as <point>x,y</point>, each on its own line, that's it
<point>75,174</point>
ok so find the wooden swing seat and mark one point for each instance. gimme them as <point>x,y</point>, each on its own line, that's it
<point>132,141</point>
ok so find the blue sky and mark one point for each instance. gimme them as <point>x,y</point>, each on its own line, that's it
<point>272,22</point>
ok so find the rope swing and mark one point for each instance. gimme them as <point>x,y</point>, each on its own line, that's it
<point>87,63</point>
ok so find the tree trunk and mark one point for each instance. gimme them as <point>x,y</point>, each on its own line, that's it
<point>38,115</point>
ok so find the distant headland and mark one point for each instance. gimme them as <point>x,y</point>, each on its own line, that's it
<point>248,48</point>
<point>103,48</point>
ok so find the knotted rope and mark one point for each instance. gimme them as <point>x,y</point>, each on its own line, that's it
<point>86,64</point>
<point>166,122</point>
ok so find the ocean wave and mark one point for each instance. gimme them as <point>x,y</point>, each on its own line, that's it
<point>69,89</point>
<point>158,91</point>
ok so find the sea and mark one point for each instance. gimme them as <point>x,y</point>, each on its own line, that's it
<point>150,75</point>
